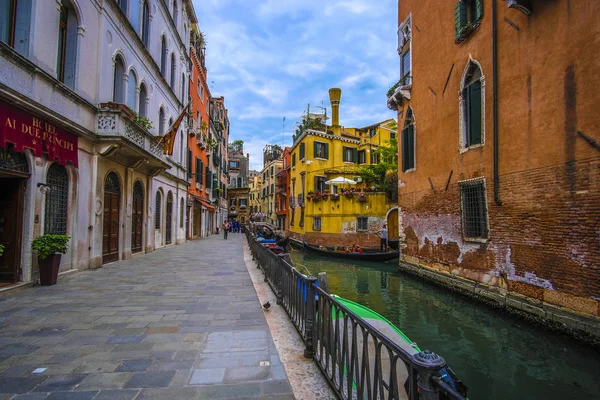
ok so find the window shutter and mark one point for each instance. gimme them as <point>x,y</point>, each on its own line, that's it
<point>326,151</point>
<point>294,160</point>
<point>22,27</point>
<point>71,49</point>
<point>460,18</point>
<point>302,151</point>
<point>354,155</point>
<point>411,146</point>
<point>315,149</point>
<point>478,9</point>
<point>344,154</point>
<point>200,172</point>
<point>404,149</point>
<point>189,163</point>
<point>474,106</point>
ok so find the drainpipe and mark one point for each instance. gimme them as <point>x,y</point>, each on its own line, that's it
<point>495,91</point>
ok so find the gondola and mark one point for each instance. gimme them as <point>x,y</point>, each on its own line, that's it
<point>367,255</point>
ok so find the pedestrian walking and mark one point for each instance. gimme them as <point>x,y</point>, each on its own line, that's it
<point>226,228</point>
<point>383,238</point>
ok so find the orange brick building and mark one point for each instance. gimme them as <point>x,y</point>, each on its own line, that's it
<point>499,185</point>
<point>282,193</point>
<point>200,209</point>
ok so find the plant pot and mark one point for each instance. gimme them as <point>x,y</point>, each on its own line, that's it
<point>49,270</point>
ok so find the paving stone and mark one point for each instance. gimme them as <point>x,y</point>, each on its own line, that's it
<point>207,376</point>
<point>163,354</point>
<point>20,385</point>
<point>150,379</point>
<point>168,394</point>
<point>134,365</point>
<point>31,396</point>
<point>61,358</point>
<point>246,374</point>
<point>17,370</point>
<point>122,394</point>
<point>72,395</point>
<point>276,387</point>
<point>98,367</point>
<point>230,391</point>
<point>170,365</point>
<point>59,383</point>
<point>104,381</point>
<point>125,339</point>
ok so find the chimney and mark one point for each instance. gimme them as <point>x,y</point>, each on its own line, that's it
<point>334,97</point>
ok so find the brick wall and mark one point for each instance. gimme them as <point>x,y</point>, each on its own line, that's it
<point>544,241</point>
<point>364,240</point>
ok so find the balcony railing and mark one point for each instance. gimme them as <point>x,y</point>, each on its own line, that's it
<point>113,123</point>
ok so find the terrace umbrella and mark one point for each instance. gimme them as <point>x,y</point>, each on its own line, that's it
<point>340,180</point>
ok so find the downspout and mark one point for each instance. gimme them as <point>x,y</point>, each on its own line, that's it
<point>495,92</point>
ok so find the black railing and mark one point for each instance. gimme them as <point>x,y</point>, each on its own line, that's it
<point>358,361</point>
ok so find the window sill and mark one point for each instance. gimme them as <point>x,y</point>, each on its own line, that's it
<point>322,159</point>
<point>466,32</point>
<point>475,146</point>
<point>409,170</point>
<point>476,240</point>
<point>349,162</point>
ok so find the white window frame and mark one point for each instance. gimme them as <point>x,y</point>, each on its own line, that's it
<point>462,127</point>
<point>404,39</point>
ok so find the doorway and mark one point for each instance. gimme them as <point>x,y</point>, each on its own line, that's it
<point>136,217</point>
<point>11,224</point>
<point>169,222</point>
<point>110,233</point>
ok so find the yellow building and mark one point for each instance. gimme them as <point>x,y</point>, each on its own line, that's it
<point>269,187</point>
<point>344,214</point>
<point>255,186</point>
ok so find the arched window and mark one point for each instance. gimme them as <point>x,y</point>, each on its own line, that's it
<point>408,142</point>
<point>173,71</point>
<point>181,213</point>
<point>134,15</point>
<point>161,121</point>
<point>142,101</point>
<point>15,21</point>
<point>118,85</point>
<point>55,216</point>
<point>182,87</point>
<point>163,56</point>
<point>67,44</point>
<point>472,100</point>
<point>175,13</point>
<point>123,5</point>
<point>131,90</point>
<point>157,211</point>
<point>145,23</point>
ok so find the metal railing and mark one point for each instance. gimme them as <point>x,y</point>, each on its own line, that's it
<point>358,361</point>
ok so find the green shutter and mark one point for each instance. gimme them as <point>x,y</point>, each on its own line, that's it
<point>411,146</point>
<point>478,10</point>
<point>474,113</point>
<point>294,160</point>
<point>354,155</point>
<point>327,151</point>
<point>315,149</point>
<point>302,151</point>
<point>404,150</point>
<point>200,170</point>
<point>460,18</point>
<point>344,149</point>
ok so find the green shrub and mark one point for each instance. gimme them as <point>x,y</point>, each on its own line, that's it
<point>49,244</point>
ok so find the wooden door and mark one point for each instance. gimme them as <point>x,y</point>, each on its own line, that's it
<point>169,222</point>
<point>110,233</point>
<point>392,221</point>
<point>136,218</point>
<point>11,221</point>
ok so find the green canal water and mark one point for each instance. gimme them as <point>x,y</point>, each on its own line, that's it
<point>497,355</point>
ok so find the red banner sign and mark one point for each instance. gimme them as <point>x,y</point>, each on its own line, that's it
<point>25,130</point>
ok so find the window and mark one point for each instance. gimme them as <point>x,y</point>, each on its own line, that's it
<point>119,78</point>
<point>15,21</point>
<point>362,224</point>
<point>372,132</point>
<point>142,101</point>
<point>408,142</point>
<point>134,15</point>
<point>321,150</point>
<point>405,65</point>
<point>131,90</point>
<point>302,151</point>
<point>123,5</point>
<point>199,170</point>
<point>173,71</point>
<point>161,121</point>
<point>293,160</point>
<point>157,211</point>
<point>467,14</point>
<point>362,157</point>
<point>239,181</point>
<point>232,202</point>
<point>243,202</point>
<point>55,216</point>
<point>234,164</point>
<point>272,188</point>
<point>183,88</point>
<point>471,106</point>
<point>145,23</point>
<point>163,56</point>
<point>320,185</point>
<point>189,164</point>
<point>375,158</point>
<point>316,223</point>
<point>175,13</point>
<point>181,213</point>
<point>349,154</point>
<point>474,209</point>
<point>67,44</point>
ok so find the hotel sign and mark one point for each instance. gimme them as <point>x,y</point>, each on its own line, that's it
<point>27,131</point>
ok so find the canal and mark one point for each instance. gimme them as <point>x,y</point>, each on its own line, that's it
<point>497,355</point>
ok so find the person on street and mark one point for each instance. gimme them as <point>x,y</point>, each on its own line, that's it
<point>226,227</point>
<point>383,236</point>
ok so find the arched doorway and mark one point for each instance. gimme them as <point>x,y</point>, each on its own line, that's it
<point>137,217</point>
<point>169,222</point>
<point>393,231</point>
<point>14,172</point>
<point>110,233</point>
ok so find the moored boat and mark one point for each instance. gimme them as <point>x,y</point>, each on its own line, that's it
<point>366,255</point>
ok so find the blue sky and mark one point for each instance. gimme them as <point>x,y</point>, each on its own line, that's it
<point>271,58</point>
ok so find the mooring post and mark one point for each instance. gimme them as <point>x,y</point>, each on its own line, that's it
<point>309,322</point>
<point>428,364</point>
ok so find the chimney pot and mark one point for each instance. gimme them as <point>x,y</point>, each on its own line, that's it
<point>335,94</point>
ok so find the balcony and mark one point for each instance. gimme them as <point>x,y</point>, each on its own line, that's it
<point>397,93</point>
<point>129,144</point>
<point>201,140</point>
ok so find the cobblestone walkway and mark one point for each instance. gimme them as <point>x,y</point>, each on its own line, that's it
<point>179,323</point>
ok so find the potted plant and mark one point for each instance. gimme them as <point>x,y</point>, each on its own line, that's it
<point>362,197</point>
<point>1,249</point>
<point>334,196</point>
<point>49,248</point>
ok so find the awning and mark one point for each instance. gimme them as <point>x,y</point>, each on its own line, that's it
<point>25,130</point>
<point>205,203</point>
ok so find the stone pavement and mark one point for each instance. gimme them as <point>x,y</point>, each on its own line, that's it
<point>179,323</point>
